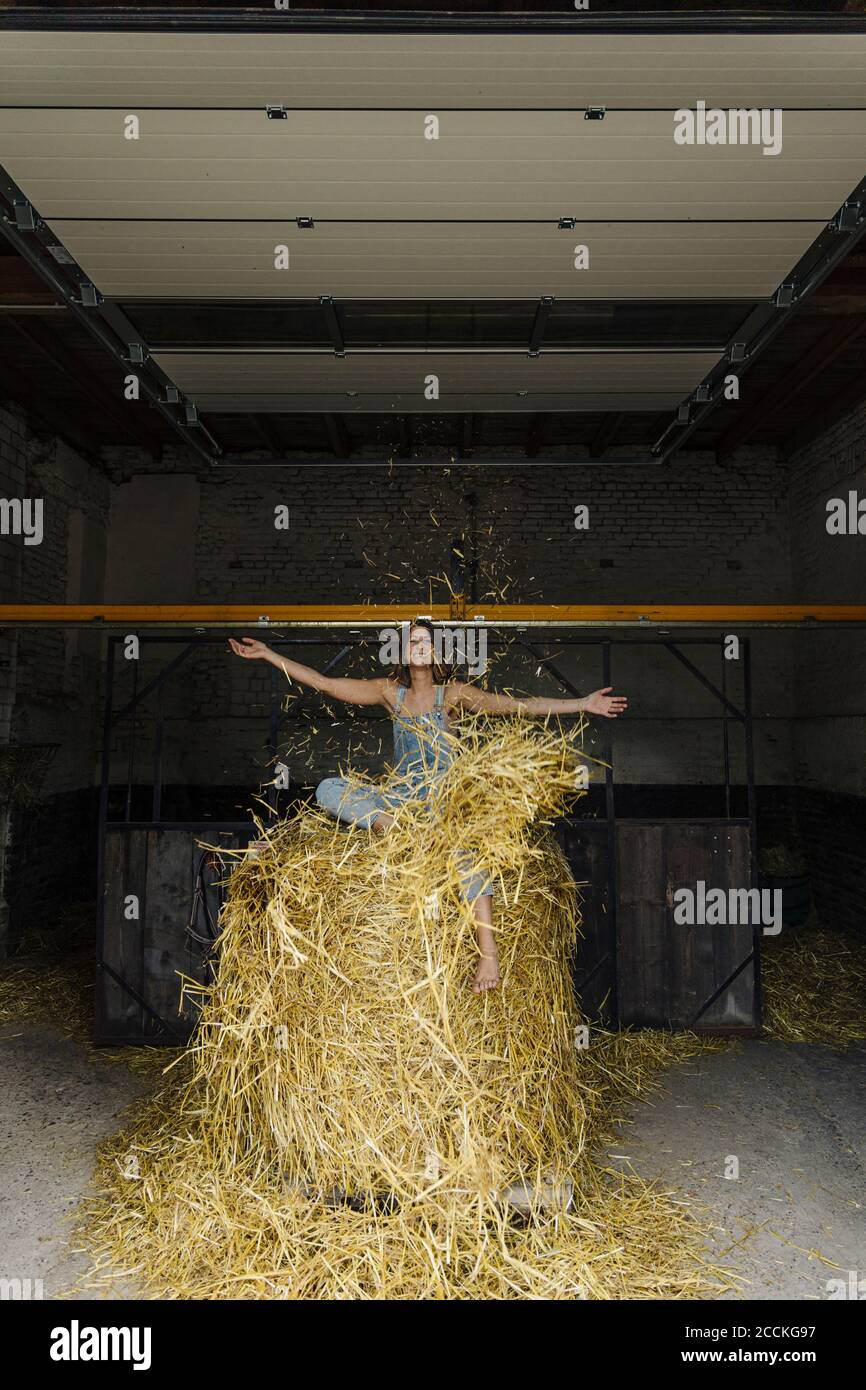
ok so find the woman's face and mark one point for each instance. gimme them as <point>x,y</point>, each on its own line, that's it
<point>420,647</point>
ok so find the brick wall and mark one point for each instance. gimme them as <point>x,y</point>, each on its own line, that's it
<point>50,680</point>
<point>829,675</point>
<point>748,530</point>
<point>678,534</point>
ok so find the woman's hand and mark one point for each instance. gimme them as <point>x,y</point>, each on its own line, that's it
<point>603,703</point>
<point>250,648</point>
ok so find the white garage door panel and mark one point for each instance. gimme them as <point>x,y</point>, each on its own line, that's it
<point>362,165</point>
<point>406,370</point>
<point>396,70</point>
<point>649,260</point>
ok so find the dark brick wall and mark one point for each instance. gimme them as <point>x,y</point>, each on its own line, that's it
<point>50,680</point>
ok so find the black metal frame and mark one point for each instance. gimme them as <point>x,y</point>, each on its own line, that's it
<point>346,643</point>
<point>350,20</point>
<point>108,323</point>
<point>104,321</point>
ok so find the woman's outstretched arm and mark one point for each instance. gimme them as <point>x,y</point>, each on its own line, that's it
<point>600,702</point>
<point>353,692</point>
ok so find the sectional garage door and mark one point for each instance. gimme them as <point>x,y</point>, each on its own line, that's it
<point>329,170</point>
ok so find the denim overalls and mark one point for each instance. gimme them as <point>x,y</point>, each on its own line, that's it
<point>423,749</point>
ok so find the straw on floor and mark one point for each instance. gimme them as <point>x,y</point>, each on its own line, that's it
<point>353,1122</point>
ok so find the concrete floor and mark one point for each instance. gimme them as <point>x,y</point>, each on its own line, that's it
<point>794,1116</point>
<point>56,1103</point>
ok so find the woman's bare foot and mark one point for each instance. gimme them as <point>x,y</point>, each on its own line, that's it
<point>382,823</point>
<point>487,974</point>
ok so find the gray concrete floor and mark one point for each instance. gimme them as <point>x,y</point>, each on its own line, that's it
<point>794,1117</point>
<point>57,1101</point>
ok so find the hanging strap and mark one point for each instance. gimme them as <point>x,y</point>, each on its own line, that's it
<point>401,695</point>
<point>440,697</point>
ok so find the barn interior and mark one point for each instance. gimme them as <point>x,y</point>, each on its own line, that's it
<point>317,320</point>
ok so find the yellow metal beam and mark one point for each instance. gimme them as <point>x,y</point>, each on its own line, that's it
<point>355,614</point>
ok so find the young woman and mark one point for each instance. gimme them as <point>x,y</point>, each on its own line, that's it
<point>419,696</point>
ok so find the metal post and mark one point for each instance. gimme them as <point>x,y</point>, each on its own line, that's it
<point>752,813</point>
<point>725,742</point>
<point>102,815</point>
<point>610,811</point>
<point>273,735</point>
<point>157,753</point>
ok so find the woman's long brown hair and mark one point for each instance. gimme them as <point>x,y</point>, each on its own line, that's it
<point>441,673</point>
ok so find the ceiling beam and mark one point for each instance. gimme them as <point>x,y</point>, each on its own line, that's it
<point>128,420</point>
<point>270,434</point>
<point>44,413</point>
<point>819,357</point>
<point>404,445</point>
<point>21,287</point>
<point>338,435</point>
<point>852,394</point>
<point>535,436</point>
<point>467,437</point>
<point>604,435</point>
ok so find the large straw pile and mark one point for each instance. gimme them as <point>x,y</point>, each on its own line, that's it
<point>359,1123</point>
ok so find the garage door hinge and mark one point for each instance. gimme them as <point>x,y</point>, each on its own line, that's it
<point>305,222</point>
<point>784,296</point>
<point>566,224</point>
<point>594,113</point>
<point>276,113</point>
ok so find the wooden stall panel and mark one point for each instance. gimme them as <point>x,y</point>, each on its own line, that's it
<point>118,1014</point>
<point>150,953</point>
<point>668,971</point>
<point>586,849</point>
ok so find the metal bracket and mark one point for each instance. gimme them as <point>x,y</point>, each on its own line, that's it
<point>137,354</point>
<point>848,218</point>
<point>702,394</point>
<point>305,223</point>
<point>684,414</point>
<point>90,296</point>
<point>60,254</point>
<point>276,113</point>
<point>737,352</point>
<point>542,314</point>
<point>25,217</point>
<point>594,113</point>
<point>190,413</point>
<point>333,324</point>
<point>566,224</point>
<point>784,296</point>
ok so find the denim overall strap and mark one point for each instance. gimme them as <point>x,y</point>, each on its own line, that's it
<point>401,695</point>
<point>440,698</point>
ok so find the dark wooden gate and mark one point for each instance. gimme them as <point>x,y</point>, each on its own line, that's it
<point>141,958</point>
